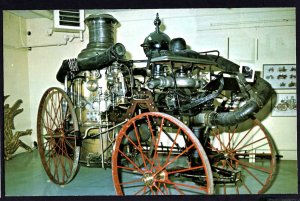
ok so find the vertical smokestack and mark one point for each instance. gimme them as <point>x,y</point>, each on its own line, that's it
<point>101,35</point>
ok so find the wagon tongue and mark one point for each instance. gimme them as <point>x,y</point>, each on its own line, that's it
<point>222,176</point>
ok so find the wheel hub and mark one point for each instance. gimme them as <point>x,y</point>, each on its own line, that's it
<point>229,153</point>
<point>162,176</point>
<point>149,178</point>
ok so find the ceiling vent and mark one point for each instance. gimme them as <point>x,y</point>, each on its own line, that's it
<point>71,20</point>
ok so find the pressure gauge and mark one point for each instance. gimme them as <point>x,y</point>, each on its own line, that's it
<point>92,85</point>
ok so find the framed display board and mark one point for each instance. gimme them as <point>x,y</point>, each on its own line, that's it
<point>280,76</point>
<point>284,105</point>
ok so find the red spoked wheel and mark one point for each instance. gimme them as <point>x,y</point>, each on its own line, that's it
<point>244,161</point>
<point>57,131</point>
<point>152,156</point>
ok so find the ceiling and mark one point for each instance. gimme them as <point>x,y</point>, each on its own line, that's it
<point>30,14</point>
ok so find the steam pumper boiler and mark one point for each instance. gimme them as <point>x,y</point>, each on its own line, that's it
<point>181,115</point>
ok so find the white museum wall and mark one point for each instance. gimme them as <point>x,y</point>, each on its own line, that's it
<point>15,72</point>
<point>255,35</point>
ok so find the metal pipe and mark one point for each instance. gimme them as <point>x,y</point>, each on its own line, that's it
<point>88,130</point>
<point>111,128</point>
<point>181,82</point>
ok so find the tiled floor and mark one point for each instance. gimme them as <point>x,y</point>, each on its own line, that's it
<point>25,176</point>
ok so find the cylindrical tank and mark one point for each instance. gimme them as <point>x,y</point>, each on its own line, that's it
<point>90,100</point>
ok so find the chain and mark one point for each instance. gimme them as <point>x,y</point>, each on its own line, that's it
<point>73,65</point>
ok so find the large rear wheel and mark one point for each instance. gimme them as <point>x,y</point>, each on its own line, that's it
<point>57,135</point>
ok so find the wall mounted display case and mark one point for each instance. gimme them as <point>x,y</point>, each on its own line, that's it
<point>284,105</point>
<point>280,76</point>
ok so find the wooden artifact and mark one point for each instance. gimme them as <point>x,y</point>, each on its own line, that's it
<point>12,141</point>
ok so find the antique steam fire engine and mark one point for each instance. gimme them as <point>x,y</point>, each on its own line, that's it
<point>182,124</point>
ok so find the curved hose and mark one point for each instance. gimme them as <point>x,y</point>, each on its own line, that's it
<point>232,118</point>
<point>101,59</point>
<point>260,93</point>
<point>63,71</point>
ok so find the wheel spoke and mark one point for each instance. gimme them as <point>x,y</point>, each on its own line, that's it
<point>51,119</point>
<point>173,143</point>
<point>201,188</point>
<point>53,109</point>
<point>140,149</point>
<point>237,189</point>
<point>253,175</point>
<point>139,145</point>
<point>131,182</point>
<point>158,190</point>
<point>152,191</point>
<point>156,144</point>
<point>69,144</point>
<point>230,137</point>
<point>266,170</point>
<point>174,159</point>
<point>250,144</point>
<point>137,168</point>
<point>60,161</point>
<point>243,138</point>
<point>247,188</point>
<point>178,190</point>
<point>68,158</point>
<point>126,168</point>
<point>166,188</point>
<point>221,143</point>
<point>142,189</point>
<point>185,170</point>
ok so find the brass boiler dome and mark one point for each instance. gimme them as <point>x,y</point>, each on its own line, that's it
<point>156,41</point>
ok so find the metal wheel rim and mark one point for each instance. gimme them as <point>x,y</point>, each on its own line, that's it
<point>257,173</point>
<point>163,187</point>
<point>61,162</point>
